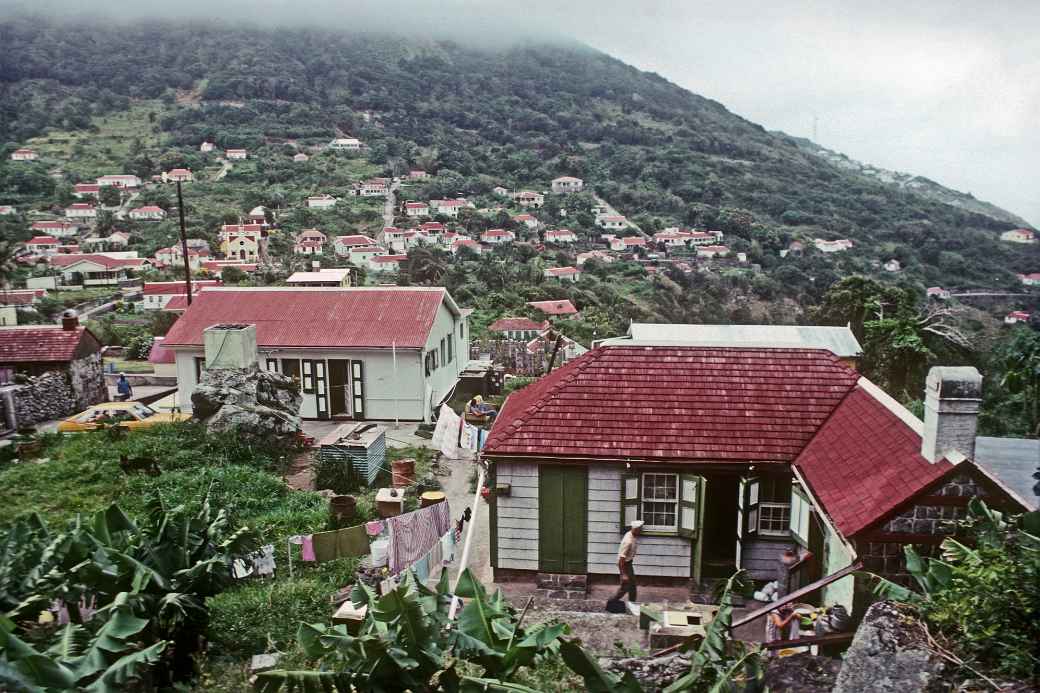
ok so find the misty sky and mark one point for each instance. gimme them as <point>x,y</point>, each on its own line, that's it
<point>948,89</point>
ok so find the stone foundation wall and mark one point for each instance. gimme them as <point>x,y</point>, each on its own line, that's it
<point>44,398</point>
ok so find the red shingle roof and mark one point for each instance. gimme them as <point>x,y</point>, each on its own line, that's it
<point>676,403</point>
<point>35,344</point>
<point>516,324</point>
<point>331,318</point>
<point>864,462</point>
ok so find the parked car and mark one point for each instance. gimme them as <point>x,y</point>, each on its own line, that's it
<point>126,414</point>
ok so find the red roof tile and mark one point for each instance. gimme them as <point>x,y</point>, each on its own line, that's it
<point>333,318</point>
<point>676,403</point>
<point>36,344</point>
<point>516,324</point>
<point>864,462</point>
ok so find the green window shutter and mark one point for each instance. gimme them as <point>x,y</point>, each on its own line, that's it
<point>691,488</point>
<point>357,384</point>
<point>631,490</point>
<point>752,491</point>
<point>801,509</point>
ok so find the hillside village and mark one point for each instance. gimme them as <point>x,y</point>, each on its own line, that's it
<point>310,405</point>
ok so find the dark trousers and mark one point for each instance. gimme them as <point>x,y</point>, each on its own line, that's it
<point>627,586</point>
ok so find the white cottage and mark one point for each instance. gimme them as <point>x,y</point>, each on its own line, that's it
<point>358,353</point>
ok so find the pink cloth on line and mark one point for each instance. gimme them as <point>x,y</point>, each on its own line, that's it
<point>413,534</point>
<point>374,528</point>
<point>308,548</point>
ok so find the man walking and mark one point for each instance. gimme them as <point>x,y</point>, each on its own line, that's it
<point>626,558</point>
<point>123,389</point>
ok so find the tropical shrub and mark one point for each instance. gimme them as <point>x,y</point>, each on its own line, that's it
<point>983,596</point>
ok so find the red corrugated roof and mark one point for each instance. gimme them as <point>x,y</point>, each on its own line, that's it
<point>676,403</point>
<point>164,288</point>
<point>42,240</point>
<point>35,344</point>
<point>332,318</point>
<point>515,324</point>
<point>102,260</point>
<point>160,355</point>
<point>864,462</point>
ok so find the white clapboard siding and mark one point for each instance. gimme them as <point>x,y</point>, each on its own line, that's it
<point>665,556</point>
<point>518,516</point>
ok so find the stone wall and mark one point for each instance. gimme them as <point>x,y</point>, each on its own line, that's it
<point>44,398</point>
<point>88,381</point>
<point>935,521</point>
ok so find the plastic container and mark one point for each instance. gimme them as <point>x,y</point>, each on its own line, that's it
<point>431,498</point>
<point>380,552</point>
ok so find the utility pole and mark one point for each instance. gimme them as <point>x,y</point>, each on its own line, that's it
<point>184,242</point>
<point>815,124</point>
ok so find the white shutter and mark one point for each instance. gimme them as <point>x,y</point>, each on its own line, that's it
<point>690,504</point>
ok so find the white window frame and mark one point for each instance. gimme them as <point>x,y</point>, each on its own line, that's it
<point>643,499</point>
<point>767,532</point>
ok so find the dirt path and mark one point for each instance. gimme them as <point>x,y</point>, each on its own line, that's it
<point>300,475</point>
<point>457,489</point>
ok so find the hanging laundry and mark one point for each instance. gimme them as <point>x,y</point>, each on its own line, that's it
<point>412,535</point>
<point>435,556</point>
<point>296,539</point>
<point>308,548</point>
<point>448,547</point>
<point>374,528</point>
<point>263,560</point>
<point>240,569</point>
<point>422,568</point>
<point>482,437</point>
<point>446,433</point>
<point>468,439</point>
<point>340,543</point>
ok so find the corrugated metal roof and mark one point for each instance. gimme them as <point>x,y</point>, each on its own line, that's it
<point>838,340</point>
<point>316,317</point>
<point>1012,461</point>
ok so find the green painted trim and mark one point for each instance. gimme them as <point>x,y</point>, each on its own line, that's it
<point>699,538</point>
<point>493,516</point>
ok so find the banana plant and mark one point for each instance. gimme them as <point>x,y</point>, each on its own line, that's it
<point>408,642</point>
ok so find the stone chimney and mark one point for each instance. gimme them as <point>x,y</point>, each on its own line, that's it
<point>69,320</point>
<point>230,346</point>
<point>951,412</point>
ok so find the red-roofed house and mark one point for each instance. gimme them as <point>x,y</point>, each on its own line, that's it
<point>42,245</point>
<point>96,269</point>
<point>5,210</point>
<point>1016,316</point>
<point>216,267</point>
<point>527,220</point>
<point>65,362</point>
<point>174,257</point>
<point>184,175</point>
<point>157,295</point>
<point>1032,279</point>
<point>343,244</point>
<point>561,236</point>
<point>58,229</point>
<point>236,154</point>
<point>373,187</point>
<point>148,213</point>
<point>1019,236</point>
<point>555,309</point>
<point>448,208</point>
<point>729,456</point>
<point>458,244</point>
<point>626,243</point>
<point>119,180</point>
<point>163,360</point>
<point>710,251</point>
<point>81,210</point>
<point>23,155</point>
<point>359,353</point>
<point>416,209</point>
<point>611,221</point>
<point>526,198</point>
<point>566,274</point>
<point>386,263</point>
<point>497,236</point>
<point>82,190</point>
<point>517,328</point>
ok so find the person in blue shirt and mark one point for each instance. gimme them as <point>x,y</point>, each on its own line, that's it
<point>123,389</point>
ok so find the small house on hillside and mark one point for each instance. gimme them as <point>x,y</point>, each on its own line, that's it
<point>343,244</point>
<point>82,190</point>
<point>96,269</point>
<point>1019,236</point>
<point>522,329</point>
<point>555,309</point>
<point>386,263</point>
<point>81,210</point>
<point>236,154</point>
<point>148,213</point>
<point>825,246</point>
<point>1031,279</point>
<point>567,184</point>
<point>937,292</point>
<point>68,353</point>
<point>416,209</point>
<point>527,198</point>
<point>611,221</point>
<point>1015,317</point>
<point>497,236</point>
<point>567,274</point>
<point>358,353</point>
<point>348,144</point>
<point>563,236</point>
<point>58,229</point>
<point>328,277</point>
<point>119,180</point>
<point>42,245</point>
<point>321,202</point>
<point>300,157</point>
<point>157,295</point>
<point>527,220</point>
<point>23,154</point>
<point>207,147</point>
<point>181,175</point>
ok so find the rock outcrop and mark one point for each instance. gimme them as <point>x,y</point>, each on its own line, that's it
<point>256,404</point>
<point>889,654</point>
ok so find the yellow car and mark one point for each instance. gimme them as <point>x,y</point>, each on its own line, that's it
<point>126,414</point>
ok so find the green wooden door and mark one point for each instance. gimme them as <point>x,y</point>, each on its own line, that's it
<point>562,514</point>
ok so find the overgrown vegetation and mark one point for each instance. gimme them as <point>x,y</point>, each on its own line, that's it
<point>982,596</point>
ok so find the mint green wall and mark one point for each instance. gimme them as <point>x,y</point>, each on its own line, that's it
<point>836,557</point>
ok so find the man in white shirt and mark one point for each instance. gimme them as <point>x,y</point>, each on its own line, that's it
<point>626,558</point>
